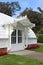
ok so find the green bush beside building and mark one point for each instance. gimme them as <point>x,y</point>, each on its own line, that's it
<point>40,38</point>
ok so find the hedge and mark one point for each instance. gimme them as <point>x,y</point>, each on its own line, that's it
<point>40,38</point>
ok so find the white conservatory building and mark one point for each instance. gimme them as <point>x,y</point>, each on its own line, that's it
<point>16,34</point>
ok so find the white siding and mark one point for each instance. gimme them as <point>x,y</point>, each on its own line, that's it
<point>31,37</point>
<point>16,47</point>
<point>5,43</point>
<point>5,37</point>
<point>32,41</point>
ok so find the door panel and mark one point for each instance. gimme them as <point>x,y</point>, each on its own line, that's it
<point>18,41</point>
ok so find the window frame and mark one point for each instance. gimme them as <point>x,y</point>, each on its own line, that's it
<point>20,36</point>
<point>17,37</point>
<point>14,37</point>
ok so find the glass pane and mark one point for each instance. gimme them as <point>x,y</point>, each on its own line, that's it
<point>13,40</point>
<point>13,37</point>
<point>14,33</point>
<point>19,39</point>
<point>19,32</point>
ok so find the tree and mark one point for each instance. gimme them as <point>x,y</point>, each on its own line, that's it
<point>40,9</point>
<point>35,17</point>
<point>9,8</point>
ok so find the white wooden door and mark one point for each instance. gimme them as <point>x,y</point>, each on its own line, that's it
<point>17,40</point>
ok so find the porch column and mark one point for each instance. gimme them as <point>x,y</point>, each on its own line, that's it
<point>26,36</point>
<point>10,36</point>
<point>16,36</point>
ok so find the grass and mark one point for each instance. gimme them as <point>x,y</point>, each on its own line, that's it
<point>18,60</point>
<point>39,49</point>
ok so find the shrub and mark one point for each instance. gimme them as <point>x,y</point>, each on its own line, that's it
<point>33,46</point>
<point>40,38</point>
<point>3,53</point>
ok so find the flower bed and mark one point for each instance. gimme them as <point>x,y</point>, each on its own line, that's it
<point>30,47</point>
<point>3,51</point>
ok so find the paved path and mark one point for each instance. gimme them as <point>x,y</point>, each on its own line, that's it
<point>30,54</point>
<point>22,52</point>
<point>36,55</point>
<point>40,43</point>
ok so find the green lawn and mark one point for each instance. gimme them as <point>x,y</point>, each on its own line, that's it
<point>39,49</point>
<point>18,60</point>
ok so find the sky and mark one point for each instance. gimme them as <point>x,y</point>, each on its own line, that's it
<point>26,3</point>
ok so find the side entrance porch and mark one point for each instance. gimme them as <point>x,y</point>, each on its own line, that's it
<point>17,40</point>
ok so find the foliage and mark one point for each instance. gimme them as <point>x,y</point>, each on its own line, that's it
<point>40,9</point>
<point>39,49</point>
<point>18,60</point>
<point>35,17</point>
<point>9,8</point>
<point>40,38</point>
<point>40,31</point>
<point>33,46</point>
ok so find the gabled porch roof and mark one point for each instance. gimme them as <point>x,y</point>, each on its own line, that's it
<point>25,22</point>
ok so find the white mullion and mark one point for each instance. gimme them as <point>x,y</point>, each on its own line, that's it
<point>19,36</point>
<point>13,36</point>
<point>16,36</point>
